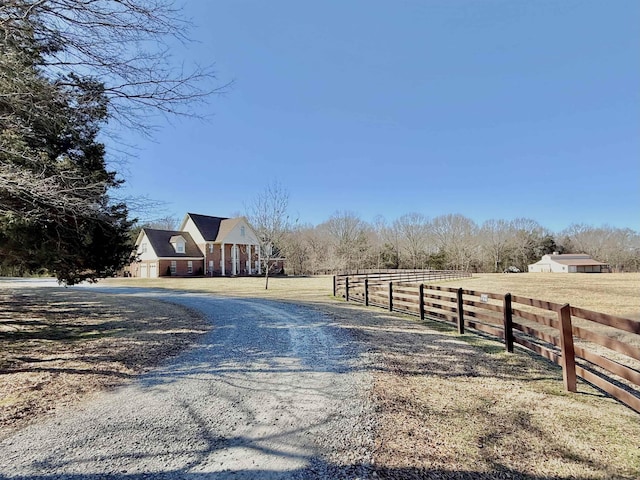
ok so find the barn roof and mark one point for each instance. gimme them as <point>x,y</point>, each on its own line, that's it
<point>577,259</point>
<point>578,262</point>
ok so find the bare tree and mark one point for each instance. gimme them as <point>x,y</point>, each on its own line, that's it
<point>413,230</point>
<point>526,234</point>
<point>297,250</point>
<point>268,216</point>
<point>618,247</point>
<point>123,44</point>
<point>168,222</point>
<point>350,238</point>
<point>387,244</point>
<point>456,235</point>
<point>319,250</point>
<point>494,238</point>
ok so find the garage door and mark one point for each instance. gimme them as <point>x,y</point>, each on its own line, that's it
<point>143,270</point>
<point>153,270</point>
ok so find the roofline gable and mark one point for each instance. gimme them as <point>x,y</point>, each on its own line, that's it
<point>184,222</point>
<point>143,235</point>
<point>228,225</point>
<point>207,226</point>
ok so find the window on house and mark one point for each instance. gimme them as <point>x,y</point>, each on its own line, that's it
<point>189,266</point>
<point>242,231</point>
<point>173,267</point>
<point>143,248</point>
<point>211,248</point>
<point>179,247</point>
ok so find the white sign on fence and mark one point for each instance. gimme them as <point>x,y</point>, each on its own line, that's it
<point>484,298</point>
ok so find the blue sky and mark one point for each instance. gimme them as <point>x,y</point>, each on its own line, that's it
<point>491,109</point>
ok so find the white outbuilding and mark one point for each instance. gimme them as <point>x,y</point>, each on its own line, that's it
<point>568,263</point>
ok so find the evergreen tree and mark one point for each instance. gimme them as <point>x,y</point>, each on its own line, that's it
<point>55,209</point>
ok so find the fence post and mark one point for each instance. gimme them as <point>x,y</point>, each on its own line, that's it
<point>421,293</point>
<point>508,323</point>
<point>334,286</point>
<point>566,345</point>
<point>391,296</point>
<point>346,288</point>
<point>460,313</point>
<point>366,292</point>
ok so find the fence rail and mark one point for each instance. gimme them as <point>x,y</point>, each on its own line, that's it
<point>354,280</point>
<point>602,349</point>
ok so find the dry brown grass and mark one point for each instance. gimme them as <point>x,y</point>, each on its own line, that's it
<point>615,293</point>
<point>612,293</point>
<point>284,288</point>
<point>59,346</point>
<point>459,407</point>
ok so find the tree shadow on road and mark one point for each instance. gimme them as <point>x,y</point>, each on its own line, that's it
<point>318,470</point>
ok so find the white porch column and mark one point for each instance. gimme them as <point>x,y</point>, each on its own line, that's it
<point>222,260</point>
<point>259,260</point>
<point>234,259</point>
<point>248,259</point>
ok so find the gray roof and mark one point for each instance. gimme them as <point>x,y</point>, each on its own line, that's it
<point>160,241</point>
<point>208,226</point>
<point>578,261</point>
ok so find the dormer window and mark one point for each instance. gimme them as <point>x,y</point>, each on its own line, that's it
<point>178,242</point>
<point>242,231</point>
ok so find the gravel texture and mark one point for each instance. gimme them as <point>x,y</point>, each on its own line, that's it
<point>275,391</point>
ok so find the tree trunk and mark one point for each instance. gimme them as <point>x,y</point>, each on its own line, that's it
<point>266,276</point>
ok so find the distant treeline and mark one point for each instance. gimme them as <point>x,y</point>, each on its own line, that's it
<point>346,242</point>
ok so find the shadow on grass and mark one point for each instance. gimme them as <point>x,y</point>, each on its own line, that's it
<point>438,350</point>
<point>40,326</point>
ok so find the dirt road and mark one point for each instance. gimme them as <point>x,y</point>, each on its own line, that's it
<point>275,391</point>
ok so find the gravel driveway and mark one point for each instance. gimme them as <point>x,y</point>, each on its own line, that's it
<point>275,391</point>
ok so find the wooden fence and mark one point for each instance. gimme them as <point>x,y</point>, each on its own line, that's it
<point>602,349</point>
<point>356,280</point>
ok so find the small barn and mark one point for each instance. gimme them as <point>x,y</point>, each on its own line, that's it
<point>568,263</point>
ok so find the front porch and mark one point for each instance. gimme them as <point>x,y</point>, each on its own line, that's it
<point>232,259</point>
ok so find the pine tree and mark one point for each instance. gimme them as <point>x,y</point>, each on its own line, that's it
<point>55,210</point>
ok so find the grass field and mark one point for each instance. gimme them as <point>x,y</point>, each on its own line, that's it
<point>615,294</point>
<point>612,293</point>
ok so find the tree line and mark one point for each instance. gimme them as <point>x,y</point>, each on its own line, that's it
<point>345,242</point>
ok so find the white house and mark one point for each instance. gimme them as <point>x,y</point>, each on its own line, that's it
<point>229,245</point>
<point>204,245</point>
<point>568,263</point>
